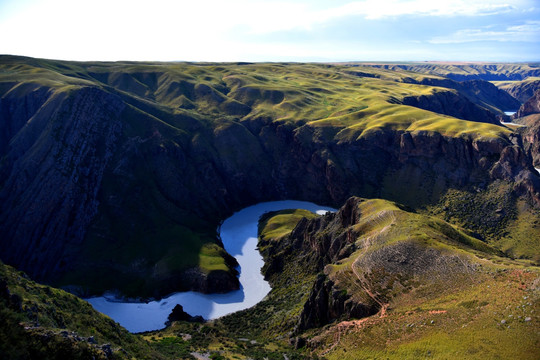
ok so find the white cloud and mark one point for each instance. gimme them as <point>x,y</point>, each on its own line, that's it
<point>526,32</point>
<point>287,15</point>
<point>211,29</point>
<point>377,9</point>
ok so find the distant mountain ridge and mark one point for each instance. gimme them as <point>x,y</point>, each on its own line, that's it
<point>472,71</point>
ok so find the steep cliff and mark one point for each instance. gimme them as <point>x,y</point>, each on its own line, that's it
<point>529,115</point>
<point>52,173</point>
<point>531,136</point>
<point>475,99</point>
<point>521,90</point>
<point>531,106</point>
<point>450,103</point>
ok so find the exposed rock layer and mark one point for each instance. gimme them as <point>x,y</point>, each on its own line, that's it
<point>531,106</point>
<point>521,90</point>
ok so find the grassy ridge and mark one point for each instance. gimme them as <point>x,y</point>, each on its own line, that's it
<point>319,94</point>
<point>275,225</point>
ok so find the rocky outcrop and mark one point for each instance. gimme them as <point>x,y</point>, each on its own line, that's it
<point>367,253</point>
<point>327,303</point>
<point>178,314</point>
<point>521,90</point>
<point>531,106</point>
<point>194,279</point>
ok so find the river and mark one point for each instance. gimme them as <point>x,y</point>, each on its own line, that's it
<point>239,236</point>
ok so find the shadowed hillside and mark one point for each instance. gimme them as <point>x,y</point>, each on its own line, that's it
<point>522,90</point>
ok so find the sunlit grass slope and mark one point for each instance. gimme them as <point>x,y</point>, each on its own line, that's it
<point>493,316</point>
<point>472,304</point>
<point>353,99</point>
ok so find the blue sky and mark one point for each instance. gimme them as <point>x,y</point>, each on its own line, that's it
<point>263,30</point>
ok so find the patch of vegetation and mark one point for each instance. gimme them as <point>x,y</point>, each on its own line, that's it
<point>211,258</point>
<point>173,347</point>
<point>47,323</point>
<point>493,317</point>
<point>495,216</point>
<point>277,224</point>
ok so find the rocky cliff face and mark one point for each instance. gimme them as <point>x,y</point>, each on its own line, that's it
<point>452,104</point>
<point>103,187</point>
<point>521,90</point>
<point>531,136</point>
<point>529,115</point>
<point>531,106</point>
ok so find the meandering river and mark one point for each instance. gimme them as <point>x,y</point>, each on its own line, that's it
<point>239,236</point>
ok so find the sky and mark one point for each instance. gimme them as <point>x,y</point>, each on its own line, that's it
<point>264,30</point>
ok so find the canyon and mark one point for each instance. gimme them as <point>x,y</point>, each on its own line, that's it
<point>117,177</point>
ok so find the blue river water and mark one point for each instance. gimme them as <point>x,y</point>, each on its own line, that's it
<point>239,236</point>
